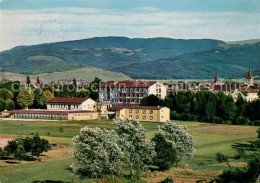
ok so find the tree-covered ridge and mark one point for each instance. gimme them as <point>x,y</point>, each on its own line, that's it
<point>157,58</point>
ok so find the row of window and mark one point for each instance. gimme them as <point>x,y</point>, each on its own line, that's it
<point>137,111</point>
<point>144,117</point>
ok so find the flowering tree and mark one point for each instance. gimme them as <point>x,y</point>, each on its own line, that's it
<point>97,152</point>
<point>132,140</point>
<point>179,137</point>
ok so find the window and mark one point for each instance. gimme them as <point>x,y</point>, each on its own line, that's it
<point>130,116</point>
<point>151,111</point>
<point>137,117</point>
<point>144,117</point>
<point>151,118</point>
<point>137,111</point>
<point>130,111</point>
<point>144,111</point>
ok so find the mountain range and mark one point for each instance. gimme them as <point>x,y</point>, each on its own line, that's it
<point>138,58</point>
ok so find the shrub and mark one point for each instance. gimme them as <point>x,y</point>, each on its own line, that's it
<point>218,120</point>
<point>220,157</point>
<point>25,148</point>
<point>242,120</point>
<point>167,180</point>
<point>165,153</point>
<point>110,179</point>
<point>248,174</point>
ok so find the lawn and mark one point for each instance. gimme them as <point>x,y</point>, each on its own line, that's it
<point>210,139</point>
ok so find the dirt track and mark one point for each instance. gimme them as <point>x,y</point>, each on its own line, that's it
<point>4,140</point>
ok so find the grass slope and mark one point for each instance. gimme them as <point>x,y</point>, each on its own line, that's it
<point>210,139</point>
<point>85,74</point>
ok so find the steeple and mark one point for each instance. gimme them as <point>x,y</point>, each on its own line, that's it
<point>216,78</point>
<point>250,78</point>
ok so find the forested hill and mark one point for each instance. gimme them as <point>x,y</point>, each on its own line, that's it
<point>154,58</point>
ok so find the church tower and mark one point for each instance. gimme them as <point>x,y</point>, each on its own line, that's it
<point>250,78</point>
<point>216,81</point>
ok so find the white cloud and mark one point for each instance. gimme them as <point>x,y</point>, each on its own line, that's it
<point>25,27</point>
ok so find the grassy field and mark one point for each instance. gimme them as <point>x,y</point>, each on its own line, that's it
<point>210,139</point>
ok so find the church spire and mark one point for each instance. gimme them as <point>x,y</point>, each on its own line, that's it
<point>216,78</point>
<point>249,76</point>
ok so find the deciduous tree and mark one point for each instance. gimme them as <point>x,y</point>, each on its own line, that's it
<point>182,141</point>
<point>25,97</point>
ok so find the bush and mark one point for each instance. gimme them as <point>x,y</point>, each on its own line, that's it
<point>165,153</point>
<point>110,179</point>
<point>242,120</point>
<point>175,115</point>
<point>26,148</point>
<point>220,157</point>
<point>248,174</point>
<point>218,120</point>
<point>167,180</point>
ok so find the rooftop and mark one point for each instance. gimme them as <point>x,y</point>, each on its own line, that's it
<point>127,84</point>
<point>39,111</point>
<point>118,108</point>
<point>67,100</point>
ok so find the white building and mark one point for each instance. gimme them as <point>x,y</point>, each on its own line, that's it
<point>63,103</point>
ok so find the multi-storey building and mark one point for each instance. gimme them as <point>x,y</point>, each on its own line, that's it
<point>142,113</point>
<point>130,92</point>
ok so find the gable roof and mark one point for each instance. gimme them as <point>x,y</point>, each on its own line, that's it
<point>128,84</point>
<point>67,100</point>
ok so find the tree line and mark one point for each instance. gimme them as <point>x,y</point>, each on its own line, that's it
<point>13,95</point>
<point>209,107</point>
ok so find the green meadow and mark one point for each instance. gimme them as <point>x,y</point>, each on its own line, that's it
<point>210,139</point>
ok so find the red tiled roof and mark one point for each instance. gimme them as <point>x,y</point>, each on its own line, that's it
<point>67,100</point>
<point>118,108</point>
<point>49,111</point>
<point>224,87</point>
<point>127,84</point>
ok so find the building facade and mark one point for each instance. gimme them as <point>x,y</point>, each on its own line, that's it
<point>59,108</point>
<point>64,103</point>
<point>130,92</point>
<point>143,113</point>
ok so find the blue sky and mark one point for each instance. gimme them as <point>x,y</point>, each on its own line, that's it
<point>26,22</point>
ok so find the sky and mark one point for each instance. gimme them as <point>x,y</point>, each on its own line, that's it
<point>28,22</point>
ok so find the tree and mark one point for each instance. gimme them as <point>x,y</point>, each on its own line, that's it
<point>150,100</point>
<point>45,97</point>
<point>132,140</point>
<point>9,104</point>
<point>38,80</point>
<point>181,140</point>
<point>28,80</point>
<point>6,94</point>
<point>165,153</point>
<point>97,152</point>
<point>2,104</point>
<point>25,97</point>
<point>26,148</point>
